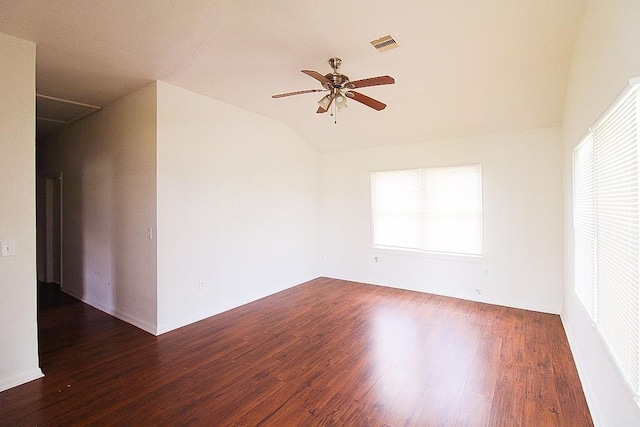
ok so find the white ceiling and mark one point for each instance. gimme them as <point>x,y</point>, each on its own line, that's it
<point>464,67</point>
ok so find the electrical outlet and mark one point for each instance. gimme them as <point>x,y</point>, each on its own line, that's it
<point>487,272</point>
<point>201,284</point>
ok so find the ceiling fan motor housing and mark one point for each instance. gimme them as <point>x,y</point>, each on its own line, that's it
<point>336,78</point>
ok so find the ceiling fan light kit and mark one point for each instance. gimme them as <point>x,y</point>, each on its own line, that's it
<point>324,102</point>
<point>340,88</point>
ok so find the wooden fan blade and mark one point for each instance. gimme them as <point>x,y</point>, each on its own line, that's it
<point>299,92</point>
<point>322,110</point>
<point>373,81</point>
<point>369,102</point>
<point>319,77</point>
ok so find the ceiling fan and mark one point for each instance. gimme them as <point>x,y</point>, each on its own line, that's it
<point>340,88</point>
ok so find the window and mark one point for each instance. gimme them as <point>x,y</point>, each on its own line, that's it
<point>428,209</point>
<point>584,220</point>
<point>607,233</point>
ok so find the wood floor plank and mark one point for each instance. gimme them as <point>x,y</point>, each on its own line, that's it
<point>327,352</point>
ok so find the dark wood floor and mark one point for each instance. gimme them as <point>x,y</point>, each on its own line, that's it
<point>327,352</point>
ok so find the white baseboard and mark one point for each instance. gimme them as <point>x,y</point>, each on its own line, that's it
<point>162,329</point>
<point>486,300</point>
<point>115,313</point>
<point>587,388</point>
<point>19,379</point>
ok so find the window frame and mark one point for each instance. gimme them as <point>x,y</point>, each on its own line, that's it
<point>607,139</point>
<point>414,251</point>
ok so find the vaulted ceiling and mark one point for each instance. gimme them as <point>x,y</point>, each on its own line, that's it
<point>463,67</point>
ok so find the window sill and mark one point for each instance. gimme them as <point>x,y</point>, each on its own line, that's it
<point>431,255</point>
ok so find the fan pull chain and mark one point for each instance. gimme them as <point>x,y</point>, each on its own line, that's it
<point>334,113</point>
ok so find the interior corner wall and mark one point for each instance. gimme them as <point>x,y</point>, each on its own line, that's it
<point>606,56</point>
<point>108,167</point>
<point>522,220</point>
<point>237,207</point>
<point>18,315</point>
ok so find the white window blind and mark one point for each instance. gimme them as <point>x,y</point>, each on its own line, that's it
<point>428,209</point>
<point>607,232</point>
<point>616,161</point>
<point>584,221</point>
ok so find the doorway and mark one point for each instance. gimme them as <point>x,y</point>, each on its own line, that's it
<point>53,228</point>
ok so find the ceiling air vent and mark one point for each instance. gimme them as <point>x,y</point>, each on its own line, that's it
<point>385,43</point>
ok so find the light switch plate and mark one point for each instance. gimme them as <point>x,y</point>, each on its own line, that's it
<point>8,247</point>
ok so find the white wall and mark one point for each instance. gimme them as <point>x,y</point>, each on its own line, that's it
<point>108,165</point>
<point>237,207</point>
<point>606,56</point>
<point>522,215</point>
<point>19,331</point>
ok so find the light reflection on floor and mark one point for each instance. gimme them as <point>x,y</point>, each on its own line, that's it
<point>408,364</point>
